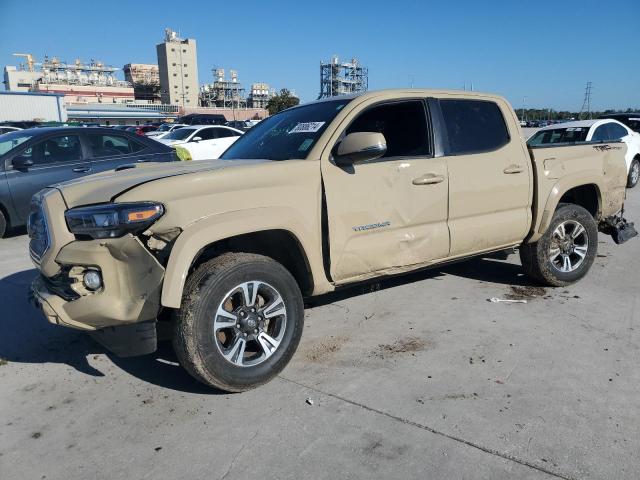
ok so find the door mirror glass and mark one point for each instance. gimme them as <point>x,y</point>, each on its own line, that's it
<point>360,147</point>
<point>196,139</point>
<point>22,162</point>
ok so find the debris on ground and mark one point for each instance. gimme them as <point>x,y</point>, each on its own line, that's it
<point>506,300</point>
<point>309,400</point>
<point>404,345</point>
<point>525,292</point>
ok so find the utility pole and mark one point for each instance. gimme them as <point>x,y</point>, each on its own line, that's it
<point>524,101</point>
<point>586,103</point>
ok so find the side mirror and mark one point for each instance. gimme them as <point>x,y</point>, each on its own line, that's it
<point>196,139</point>
<point>21,162</point>
<point>360,147</point>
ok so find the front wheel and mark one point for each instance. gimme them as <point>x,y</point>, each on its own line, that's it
<point>240,322</point>
<point>634,173</point>
<point>566,251</point>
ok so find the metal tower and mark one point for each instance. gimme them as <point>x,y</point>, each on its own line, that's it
<point>586,103</point>
<point>342,78</point>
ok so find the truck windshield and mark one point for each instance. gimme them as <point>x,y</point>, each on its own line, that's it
<point>559,135</point>
<point>288,134</point>
<point>9,141</point>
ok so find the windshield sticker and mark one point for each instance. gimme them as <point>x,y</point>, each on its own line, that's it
<point>306,127</point>
<point>304,146</point>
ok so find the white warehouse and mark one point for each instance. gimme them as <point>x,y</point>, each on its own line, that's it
<point>27,106</point>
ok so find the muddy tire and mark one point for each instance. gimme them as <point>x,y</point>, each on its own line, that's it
<point>566,251</point>
<point>240,322</point>
<point>3,225</point>
<point>634,173</point>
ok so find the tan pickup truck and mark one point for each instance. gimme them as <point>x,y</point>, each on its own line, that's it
<point>312,199</point>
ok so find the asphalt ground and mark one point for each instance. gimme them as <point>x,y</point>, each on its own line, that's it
<point>416,377</point>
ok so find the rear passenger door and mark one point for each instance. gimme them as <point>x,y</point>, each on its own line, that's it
<point>110,150</point>
<point>490,176</point>
<point>55,159</point>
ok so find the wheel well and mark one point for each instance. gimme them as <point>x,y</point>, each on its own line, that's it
<point>280,245</point>
<point>586,196</point>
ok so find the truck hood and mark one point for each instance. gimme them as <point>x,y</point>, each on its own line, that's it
<point>105,186</point>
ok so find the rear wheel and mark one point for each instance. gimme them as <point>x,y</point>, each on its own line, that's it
<point>3,224</point>
<point>240,322</point>
<point>565,253</point>
<point>634,173</point>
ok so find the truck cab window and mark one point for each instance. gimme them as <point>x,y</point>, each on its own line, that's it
<point>474,126</point>
<point>403,124</point>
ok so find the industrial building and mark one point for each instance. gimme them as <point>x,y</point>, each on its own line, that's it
<point>342,78</point>
<point>145,79</point>
<point>223,93</point>
<point>79,82</point>
<point>178,69</point>
<point>259,95</point>
<point>30,106</point>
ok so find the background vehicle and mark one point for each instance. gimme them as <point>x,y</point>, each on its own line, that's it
<point>312,199</point>
<point>201,142</point>
<point>606,130</point>
<point>631,120</point>
<point>5,129</point>
<point>164,129</point>
<point>142,129</point>
<point>238,125</point>
<point>38,157</point>
<point>202,119</point>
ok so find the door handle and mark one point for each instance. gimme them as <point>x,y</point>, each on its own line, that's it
<point>82,169</point>
<point>428,179</point>
<point>513,169</point>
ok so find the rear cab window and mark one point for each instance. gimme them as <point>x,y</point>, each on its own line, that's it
<point>473,126</point>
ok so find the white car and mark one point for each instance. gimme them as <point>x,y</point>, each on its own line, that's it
<point>164,129</point>
<point>201,142</point>
<point>603,130</point>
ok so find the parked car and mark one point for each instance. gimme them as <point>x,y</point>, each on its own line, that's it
<point>314,198</point>
<point>141,129</point>
<point>5,129</point>
<point>201,142</point>
<point>202,119</point>
<point>631,120</point>
<point>605,130</point>
<point>238,125</point>
<point>38,157</point>
<point>121,127</point>
<point>164,129</point>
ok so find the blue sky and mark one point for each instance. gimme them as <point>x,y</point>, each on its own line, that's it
<point>545,50</point>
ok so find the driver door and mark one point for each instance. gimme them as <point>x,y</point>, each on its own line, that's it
<point>389,214</point>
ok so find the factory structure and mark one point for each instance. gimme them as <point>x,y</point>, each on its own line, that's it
<point>226,92</point>
<point>145,79</point>
<point>342,78</point>
<point>92,92</point>
<point>79,82</point>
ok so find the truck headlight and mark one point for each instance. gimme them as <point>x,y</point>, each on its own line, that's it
<point>112,220</point>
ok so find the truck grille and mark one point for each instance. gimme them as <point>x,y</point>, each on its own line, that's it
<point>38,229</point>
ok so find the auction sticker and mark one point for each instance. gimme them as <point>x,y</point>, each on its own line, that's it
<point>307,127</point>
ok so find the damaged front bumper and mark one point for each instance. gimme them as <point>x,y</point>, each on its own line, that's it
<point>129,294</point>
